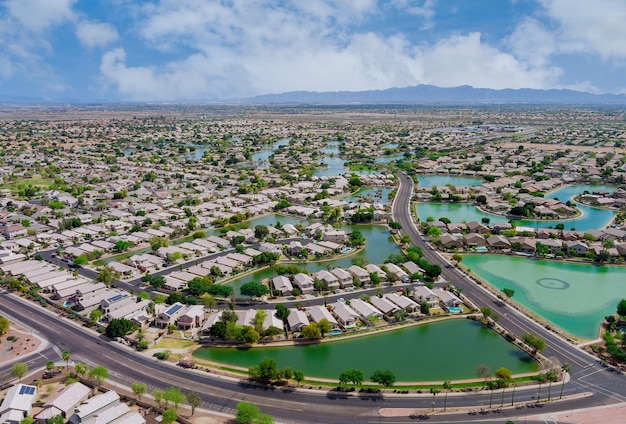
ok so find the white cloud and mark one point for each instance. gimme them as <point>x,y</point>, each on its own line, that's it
<point>423,9</point>
<point>461,60</point>
<point>38,15</point>
<point>589,26</point>
<point>531,41</point>
<point>95,34</point>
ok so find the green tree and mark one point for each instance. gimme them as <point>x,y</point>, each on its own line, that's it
<point>194,400</point>
<point>457,257</point>
<point>119,327</point>
<point>27,420</point>
<point>325,326</point>
<point>81,369</point>
<point>425,308</point>
<point>107,274</point>
<point>50,365</point>
<point>266,370</point>
<point>95,315</point>
<point>81,260</point>
<point>247,413</point>
<point>385,378</point>
<point>311,330</point>
<point>541,249</point>
<point>4,325</point>
<point>19,370</point>
<point>174,395</point>
<point>139,389</point>
<point>57,419</point>
<point>298,375</point>
<point>169,416</point>
<point>534,341</point>
<point>253,289</point>
<point>282,312</point>
<point>621,308</point>
<point>249,335</point>
<point>158,242</point>
<point>157,395</point>
<point>261,232</point>
<point>99,374</point>
<point>508,292</point>
<point>352,375</point>
<point>66,355</point>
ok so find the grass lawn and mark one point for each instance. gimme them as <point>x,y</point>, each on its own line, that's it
<point>361,167</point>
<point>46,183</point>
<point>168,343</point>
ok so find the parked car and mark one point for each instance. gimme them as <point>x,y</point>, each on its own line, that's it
<point>51,373</point>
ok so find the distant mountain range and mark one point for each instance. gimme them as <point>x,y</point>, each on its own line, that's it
<point>430,94</point>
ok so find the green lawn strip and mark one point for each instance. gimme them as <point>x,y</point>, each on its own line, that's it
<point>400,387</point>
<point>170,343</point>
<point>361,167</point>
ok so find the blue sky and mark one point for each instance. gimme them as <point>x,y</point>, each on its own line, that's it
<point>177,50</point>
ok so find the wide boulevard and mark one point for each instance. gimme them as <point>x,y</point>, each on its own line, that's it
<point>294,405</point>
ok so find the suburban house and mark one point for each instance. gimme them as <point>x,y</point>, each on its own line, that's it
<point>396,273</point>
<point>384,305</point>
<point>319,312</point>
<point>64,403</point>
<point>344,277</point>
<point>93,406</point>
<point>376,269</point>
<point>474,240</point>
<point>449,299</point>
<point>193,316</point>
<point>297,319</point>
<point>402,302</point>
<point>17,403</point>
<point>282,284</point>
<point>365,309</point>
<point>170,315</point>
<point>345,314</point>
<point>498,242</point>
<point>329,279</point>
<point>576,246</point>
<point>360,273</point>
<point>304,282</point>
<point>424,294</point>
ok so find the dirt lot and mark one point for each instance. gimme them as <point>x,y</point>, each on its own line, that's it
<point>17,343</point>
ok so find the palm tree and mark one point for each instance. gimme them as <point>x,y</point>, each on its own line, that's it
<point>565,368</point>
<point>491,385</point>
<point>514,383</point>
<point>542,379</point>
<point>66,357</point>
<point>446,386</point>
<point>434,390</point>
<point>552,376</point>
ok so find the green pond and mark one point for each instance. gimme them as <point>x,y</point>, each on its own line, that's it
<point>442,180</point>
<point>591,217</point>
<point>574,297</point>
<point>430,352</point>
<point>379,246</point>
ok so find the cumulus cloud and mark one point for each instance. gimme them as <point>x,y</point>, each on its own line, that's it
<point>589,26</point>
<point>424,9</point>
<point>242,49</point>
<point>95,34</point>
<point>39,15</point>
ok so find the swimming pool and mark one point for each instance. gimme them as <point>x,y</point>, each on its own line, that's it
<point>455,310</point>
